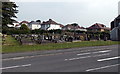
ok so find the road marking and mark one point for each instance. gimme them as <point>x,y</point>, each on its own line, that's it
<point>16,58</point>
<point>15,66</point>
<point>94,52</point>
<point>101,55</point>
<point>83,54</point>
<point>77,58</point>
<point>102,67</point>
<point>100,60</point>
<point>102,51</point>
<point>86,57</point>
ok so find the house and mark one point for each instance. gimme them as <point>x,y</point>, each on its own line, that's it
<point>24,22</point>
<point>71,27</point>
<point>34,25</point>
<point>15,24</point>
<point>82,29</point>
<point>97,27</point>
<point>115,32</point>
<point>51,25</point>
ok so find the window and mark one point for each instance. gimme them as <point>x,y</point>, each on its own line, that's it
<point>48,25</point>
<point>119,24</point>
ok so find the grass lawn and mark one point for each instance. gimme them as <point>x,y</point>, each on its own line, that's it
<point>9,40</point>
<point>53,46</point>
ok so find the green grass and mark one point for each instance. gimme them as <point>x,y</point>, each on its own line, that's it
<point>9,40</point>
<point>53,46</point>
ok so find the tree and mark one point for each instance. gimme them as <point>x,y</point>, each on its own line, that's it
<point>24,28</point>
<point>38,21</point>
<point>8,12</point>
<point>74,25</point>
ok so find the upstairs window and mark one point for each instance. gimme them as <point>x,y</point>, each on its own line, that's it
<point>119,24</point>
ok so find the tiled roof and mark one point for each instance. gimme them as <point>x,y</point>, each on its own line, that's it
<point>61,25</point>
<point>72,27</point>
<point>118,18</point>
<point>98,26</point>
<point>17,25</point>
<point>81,27</point>
<point>50,21</point>
<point>24,22</point>
<point>33,22</point>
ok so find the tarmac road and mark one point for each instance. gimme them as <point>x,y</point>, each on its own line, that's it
<point>87,59</point>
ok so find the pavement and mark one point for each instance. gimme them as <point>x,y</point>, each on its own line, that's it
<point>86,59</point>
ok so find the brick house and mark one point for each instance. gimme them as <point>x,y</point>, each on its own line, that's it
<point>98,28</point>
<point>71,27</point>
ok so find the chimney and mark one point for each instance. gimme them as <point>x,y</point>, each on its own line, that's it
<point>50,19</point>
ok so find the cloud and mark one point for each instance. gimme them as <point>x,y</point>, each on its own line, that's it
<point>84,12</point>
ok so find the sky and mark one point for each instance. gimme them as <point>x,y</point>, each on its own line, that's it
<point>83,12</point>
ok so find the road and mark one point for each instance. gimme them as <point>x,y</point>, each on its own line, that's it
<point>86,59</point>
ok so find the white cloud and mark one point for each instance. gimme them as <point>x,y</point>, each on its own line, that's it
<point>85,12</point>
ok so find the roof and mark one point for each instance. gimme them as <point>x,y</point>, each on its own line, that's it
<point>118,17</point>
<point>98,26</point>
<point>50,21</point>
<point>72,27</point>
<point>17,25</point>
<point>61,25</point>
<point>81,27</point>
<point>24,22</point>
<point>33,22</point>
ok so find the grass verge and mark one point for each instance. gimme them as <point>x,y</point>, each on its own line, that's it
<point>9,40</point>
<point>25,48</point>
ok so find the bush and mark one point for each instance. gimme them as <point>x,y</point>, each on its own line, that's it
<point>38,31</point>
<point>58,31</point>
<point>82,38</point>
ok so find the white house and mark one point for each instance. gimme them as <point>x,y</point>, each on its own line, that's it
<point>34,25</point>
<point>50,25</point>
